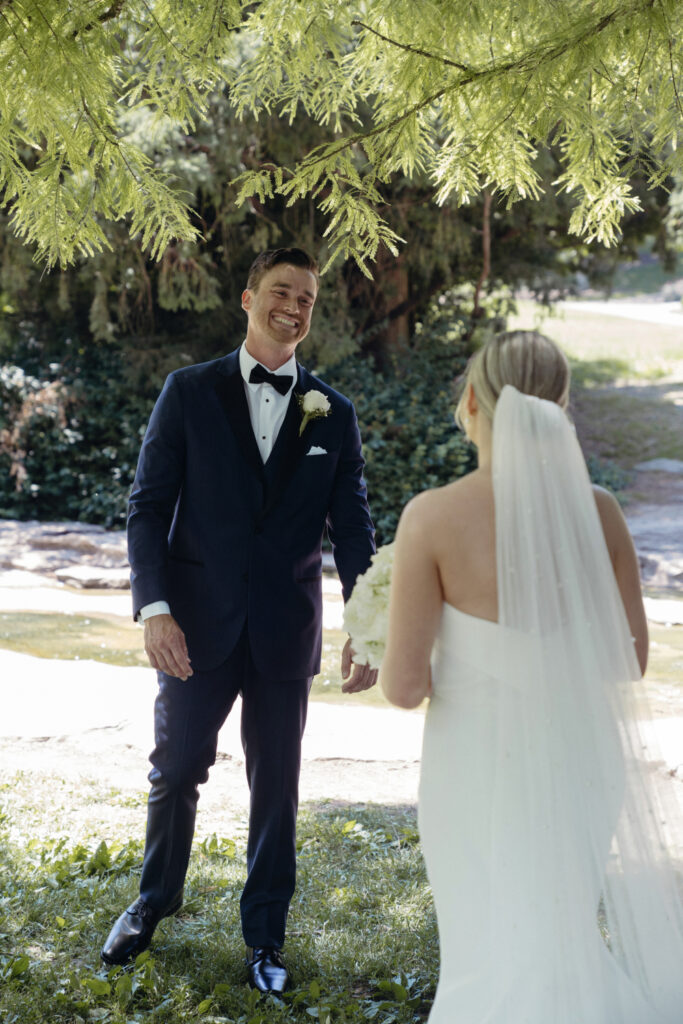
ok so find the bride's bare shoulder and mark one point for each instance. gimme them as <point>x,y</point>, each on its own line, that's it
<point>609,509</point>
<point>428,509</point>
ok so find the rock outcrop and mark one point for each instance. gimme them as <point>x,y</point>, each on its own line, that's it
<point>75,553</point>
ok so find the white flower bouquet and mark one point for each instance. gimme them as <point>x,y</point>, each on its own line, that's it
<point>366,615</point>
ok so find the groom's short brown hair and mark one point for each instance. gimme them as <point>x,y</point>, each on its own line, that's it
<point>265,261</point>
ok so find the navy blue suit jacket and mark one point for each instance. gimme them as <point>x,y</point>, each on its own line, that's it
<point>224,538</point>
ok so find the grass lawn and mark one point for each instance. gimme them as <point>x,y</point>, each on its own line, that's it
<point>644,276</point>
<point>606,349</point>
<point>362,942</point>
<point>106,638</point>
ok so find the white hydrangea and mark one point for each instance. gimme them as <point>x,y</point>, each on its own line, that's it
<point>366,615</point>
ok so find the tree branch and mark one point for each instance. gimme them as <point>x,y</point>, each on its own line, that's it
<point>673,78</point>
<point>412,49</point>
<point>642,61</point>
<point>17,40</point>
<point>543,53</point>
<point>108,15</point>
<point>332,150</point>
<point>113,11</point>
<point>671,56</point>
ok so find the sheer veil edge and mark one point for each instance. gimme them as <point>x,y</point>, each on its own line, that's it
<point>604,822</point>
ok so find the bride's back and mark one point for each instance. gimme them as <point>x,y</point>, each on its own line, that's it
<point>446,540</point>
<point>461,521</point>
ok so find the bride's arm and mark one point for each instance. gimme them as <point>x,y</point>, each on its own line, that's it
<point>414,609</point>
<point>625,564</point>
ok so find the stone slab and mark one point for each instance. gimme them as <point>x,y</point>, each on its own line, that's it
<point>661,466</point>
<point>94,577</point>
<point>45,698</point>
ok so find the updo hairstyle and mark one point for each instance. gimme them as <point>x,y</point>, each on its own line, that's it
<point>528,360</point>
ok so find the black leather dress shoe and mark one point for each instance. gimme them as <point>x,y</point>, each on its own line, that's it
<point>267,972</point>
<point>133,932</point>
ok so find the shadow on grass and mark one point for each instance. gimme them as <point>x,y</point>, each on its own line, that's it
<point>629,424</point>
<point>588,373</point>
<point>362,941</point>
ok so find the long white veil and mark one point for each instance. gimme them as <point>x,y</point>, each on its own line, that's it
<point>595,815</point>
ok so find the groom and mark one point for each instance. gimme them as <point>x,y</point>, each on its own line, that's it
<point>234,490</point>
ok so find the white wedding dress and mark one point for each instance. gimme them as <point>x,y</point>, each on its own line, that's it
<point>545,820</point>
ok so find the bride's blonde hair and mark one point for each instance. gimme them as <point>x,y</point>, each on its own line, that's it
<point>529,361</point>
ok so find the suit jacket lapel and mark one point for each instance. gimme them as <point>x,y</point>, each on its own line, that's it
<point>229,387</point>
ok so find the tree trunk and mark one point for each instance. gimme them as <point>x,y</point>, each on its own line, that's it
<point>477,311</point>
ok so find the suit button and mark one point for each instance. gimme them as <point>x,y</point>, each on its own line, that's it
<point>258,529</point>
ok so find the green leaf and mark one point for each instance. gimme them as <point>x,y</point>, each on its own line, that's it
<point>123,989</point>
<point>97,986</point>
<point>18,966</point>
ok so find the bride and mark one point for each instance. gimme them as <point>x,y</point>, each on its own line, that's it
<point>546,822</point>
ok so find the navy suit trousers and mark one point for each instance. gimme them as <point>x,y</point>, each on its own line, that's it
<point>187,717</point>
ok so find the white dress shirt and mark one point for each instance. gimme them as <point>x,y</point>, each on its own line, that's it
<point>267,407</point>
<point>267,411</point>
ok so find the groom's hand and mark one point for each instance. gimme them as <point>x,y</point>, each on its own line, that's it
<point>362,678</point>
<point>166,647</point>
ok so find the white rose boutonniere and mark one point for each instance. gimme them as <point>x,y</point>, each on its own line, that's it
<point>366,615</point>
<point>313,406</point>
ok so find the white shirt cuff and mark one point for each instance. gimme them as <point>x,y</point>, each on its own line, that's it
<point>156,608</point>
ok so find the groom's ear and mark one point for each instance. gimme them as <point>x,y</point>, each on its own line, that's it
<point>246,299</point>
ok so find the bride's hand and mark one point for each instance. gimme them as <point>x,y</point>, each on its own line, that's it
<point>362,678</point>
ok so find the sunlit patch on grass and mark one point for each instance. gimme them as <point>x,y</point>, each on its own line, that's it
<point>108,639</point>
<point>639,351</point>
<point>113,641</point>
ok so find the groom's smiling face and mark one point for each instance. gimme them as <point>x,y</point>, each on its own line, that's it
<point>280,307</point>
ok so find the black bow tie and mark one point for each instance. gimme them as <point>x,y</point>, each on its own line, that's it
<point>281,382</point>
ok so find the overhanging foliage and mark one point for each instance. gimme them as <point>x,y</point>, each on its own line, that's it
<point>74,75</point>
<point>464,92</point>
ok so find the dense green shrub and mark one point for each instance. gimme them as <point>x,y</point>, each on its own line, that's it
<point>606,473</point>
<point>70,436</point>
<point>71,431</point>
<point>69,441</point>
<point>405,411</point>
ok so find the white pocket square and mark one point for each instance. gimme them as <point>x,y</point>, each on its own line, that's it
<point>315,450</point>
